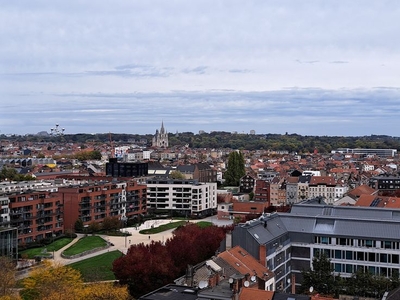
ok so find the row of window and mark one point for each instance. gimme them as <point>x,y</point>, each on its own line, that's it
<point>348,268</point>
<point>360,256</point>
<point>368,243</point>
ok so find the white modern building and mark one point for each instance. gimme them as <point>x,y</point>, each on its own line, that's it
<point>182,197</point>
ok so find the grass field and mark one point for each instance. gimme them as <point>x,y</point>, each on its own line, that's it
<point>85,244</point>
<point>203,224</point>
<point>97,268</point>
<point>172,225</point>
<point>54,246</point>
<point>162,228</point>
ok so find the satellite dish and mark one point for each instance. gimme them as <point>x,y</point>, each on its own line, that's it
<point>253,278</point>
<point>246,283</point>
<point>203,284</point>
<point>311,289</point>
<point>288,280</point>
<point>230,280</point>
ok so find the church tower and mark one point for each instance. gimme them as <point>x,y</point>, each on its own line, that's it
<point>160,139</point>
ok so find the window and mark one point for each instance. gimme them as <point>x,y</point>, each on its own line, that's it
<point>325,240</point>
<point>338,268</point>
<point>371,256</point>
<point>370,243</point>
<point>395,258</point>
<point>387,245</point>
<point>360,255</point>
<point>349,268</point>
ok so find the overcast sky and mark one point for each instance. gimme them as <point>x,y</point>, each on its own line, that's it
<point>308,67</point>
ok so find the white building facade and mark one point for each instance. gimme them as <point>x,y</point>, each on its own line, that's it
<point>182,197</point>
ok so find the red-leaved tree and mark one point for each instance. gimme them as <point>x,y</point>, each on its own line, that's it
<point>144,268</point>
<point>147,267</point>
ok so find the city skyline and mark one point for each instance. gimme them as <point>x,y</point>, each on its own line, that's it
<point>313,68</point>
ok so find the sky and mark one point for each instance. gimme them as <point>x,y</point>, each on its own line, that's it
<point>310,67</point>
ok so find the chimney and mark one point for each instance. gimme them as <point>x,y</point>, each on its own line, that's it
<point>228,241</point>
<point>263,254</point>
<point>189,275</point>
<point>293,283</point>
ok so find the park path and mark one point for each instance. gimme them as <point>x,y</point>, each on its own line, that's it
<point>122,244</point>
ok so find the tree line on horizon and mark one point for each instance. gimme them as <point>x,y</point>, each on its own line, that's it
<point>220,139</point>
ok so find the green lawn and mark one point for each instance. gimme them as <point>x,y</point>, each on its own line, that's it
<point>85,244</point>
<point>162,228</point>
<point>203,224</point>
<point>54,246</point>
<point>97,268</point>
<point>172,225</point>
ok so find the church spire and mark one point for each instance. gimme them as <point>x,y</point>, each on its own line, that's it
<point>162,127</point>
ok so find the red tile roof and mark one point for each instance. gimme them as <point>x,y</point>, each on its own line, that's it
<point>253,294</point>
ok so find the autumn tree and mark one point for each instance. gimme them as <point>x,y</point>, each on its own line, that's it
<point>111,224</point>
<point>105,291</point>
<point>53,282</point>
<point>184,247</point>
<point>93,227</point>
<point>7,276</point>
<point>147,267</point>
<point>235,169</point>
<point>144,268</point>
<point>57,282</point>
<point>176,175</point>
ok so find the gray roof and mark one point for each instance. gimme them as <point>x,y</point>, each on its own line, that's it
<point>361,222</point>
<point>261,233</point>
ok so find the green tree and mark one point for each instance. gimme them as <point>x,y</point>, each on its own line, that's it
<point>79,225</point>
<point>176,175</point>
<point>235,170</point>
<point>320,277</point>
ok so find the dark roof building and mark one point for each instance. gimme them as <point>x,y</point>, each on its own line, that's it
<point>354,238</point>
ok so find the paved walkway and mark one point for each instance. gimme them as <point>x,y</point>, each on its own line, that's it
<point>123,243</point>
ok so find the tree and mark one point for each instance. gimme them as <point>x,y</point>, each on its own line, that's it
<point>57,282</point>
<point>51,282</point>
<point>94,227</point>
<point>147,267</point>
<point>111,224</point>
<point>7,276</point>
<point>105,291</point>
<point>79,225</point>
<point>176,175</point>
<point>144,268</point>
<point>320,277</point>
<point>235,170</point>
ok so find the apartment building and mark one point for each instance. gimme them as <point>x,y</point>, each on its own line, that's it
<point>354,238</point>
<point>247,184</point>
<point>36,215</point>
<point>262,191</point>
<point>94,201</point>
<point>183,197</point>
<point>323,186</point>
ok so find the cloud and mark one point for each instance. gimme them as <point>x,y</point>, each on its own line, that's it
<point>339,62</point>
<point>197,70</point>
<point>250,64</point>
